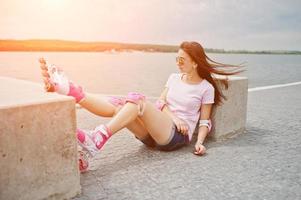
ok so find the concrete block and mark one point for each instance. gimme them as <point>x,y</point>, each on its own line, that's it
<point>229,119</point>
<point>38,148</point>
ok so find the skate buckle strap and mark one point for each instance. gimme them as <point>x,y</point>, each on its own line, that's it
<point>101,135</point>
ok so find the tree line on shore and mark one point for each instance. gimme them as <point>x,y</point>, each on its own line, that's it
<point>76,46</point>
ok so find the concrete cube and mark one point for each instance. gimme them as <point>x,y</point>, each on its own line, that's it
<point>38,148</point>
<point>229,119</point>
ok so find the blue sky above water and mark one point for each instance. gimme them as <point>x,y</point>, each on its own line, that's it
<point>223,24</point>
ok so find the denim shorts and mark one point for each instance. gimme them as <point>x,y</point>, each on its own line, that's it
<point>177,141</point>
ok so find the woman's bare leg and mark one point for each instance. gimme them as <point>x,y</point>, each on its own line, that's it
<point>101,107</point>
<point>157,123</point>
<point>98,105</point>
<point>138,129</point>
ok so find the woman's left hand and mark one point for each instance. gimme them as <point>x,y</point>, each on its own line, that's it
<point>182,126</point>
<point>200,149</point>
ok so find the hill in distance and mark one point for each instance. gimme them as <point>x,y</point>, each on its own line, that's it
<point>76,46</point>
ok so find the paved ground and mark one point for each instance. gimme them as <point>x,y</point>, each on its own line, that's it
<point>263,163</point>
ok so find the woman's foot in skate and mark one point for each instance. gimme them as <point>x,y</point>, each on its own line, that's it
<point>56,81</point>
<point>93,141</point>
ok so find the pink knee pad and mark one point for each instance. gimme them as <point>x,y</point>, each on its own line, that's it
<point>138,99</point>
<point>134,97</point>
<point>117,101</point>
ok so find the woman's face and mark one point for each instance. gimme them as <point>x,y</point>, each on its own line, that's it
<point>184,62</point>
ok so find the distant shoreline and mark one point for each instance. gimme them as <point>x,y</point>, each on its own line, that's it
<point>75,46</point>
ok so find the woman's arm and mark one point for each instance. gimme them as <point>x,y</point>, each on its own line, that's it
<point>203,130</point>
<point>181,125</point>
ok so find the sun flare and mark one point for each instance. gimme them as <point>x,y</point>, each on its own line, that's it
<point>55,4</point>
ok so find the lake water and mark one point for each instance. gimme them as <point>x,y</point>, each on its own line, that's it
<point>120,73</point>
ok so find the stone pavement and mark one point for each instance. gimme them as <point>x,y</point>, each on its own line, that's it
<point>262,163</point>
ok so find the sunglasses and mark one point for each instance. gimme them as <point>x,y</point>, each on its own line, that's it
<point>180,60</point>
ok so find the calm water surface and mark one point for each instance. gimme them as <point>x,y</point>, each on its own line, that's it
<point>143,72</point>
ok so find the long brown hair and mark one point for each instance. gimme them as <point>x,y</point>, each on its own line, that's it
<point>207,66</point>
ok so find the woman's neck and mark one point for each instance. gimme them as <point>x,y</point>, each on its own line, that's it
<point>192,77</point>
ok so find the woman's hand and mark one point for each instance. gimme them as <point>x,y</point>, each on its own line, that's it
<point>181,125</point>
<point>200,149</point>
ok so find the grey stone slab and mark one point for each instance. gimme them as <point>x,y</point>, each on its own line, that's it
<point>262,163</point>
<point>38,148</point>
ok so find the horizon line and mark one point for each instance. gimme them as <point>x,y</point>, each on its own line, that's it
<point>134,43</point>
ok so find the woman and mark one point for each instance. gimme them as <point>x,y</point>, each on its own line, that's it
<point>187,100</point>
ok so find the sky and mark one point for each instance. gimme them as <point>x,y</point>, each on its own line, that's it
<point>222,24</point>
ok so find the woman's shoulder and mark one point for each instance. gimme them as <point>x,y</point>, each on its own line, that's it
<point>207,85</point>
<point>172,79</point>
<point>175,76</point>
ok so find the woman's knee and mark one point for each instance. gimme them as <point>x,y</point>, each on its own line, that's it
<point>116,110</point>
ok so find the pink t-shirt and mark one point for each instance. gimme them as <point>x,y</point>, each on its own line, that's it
<point>185,100</point>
